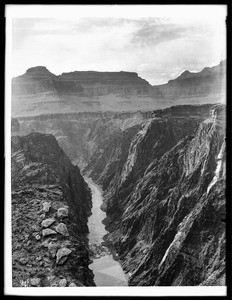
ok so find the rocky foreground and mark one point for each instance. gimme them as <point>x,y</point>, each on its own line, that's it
<point>50,206</point>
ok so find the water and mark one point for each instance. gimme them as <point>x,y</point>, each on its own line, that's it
<point>106,269</point>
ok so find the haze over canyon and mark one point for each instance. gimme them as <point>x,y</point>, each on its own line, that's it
<point>38,91</point>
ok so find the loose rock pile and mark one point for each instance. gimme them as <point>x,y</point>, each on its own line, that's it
<point>53,232</point>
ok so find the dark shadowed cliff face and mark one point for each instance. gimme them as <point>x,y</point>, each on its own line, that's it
<point>50,206</point>
<point>48,164</point>
<point>165,197</point>
<point>165,215</point>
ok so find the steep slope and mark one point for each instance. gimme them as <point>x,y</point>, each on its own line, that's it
<point>50,206</point>
<point>165,207</point>
<point>210,84</point>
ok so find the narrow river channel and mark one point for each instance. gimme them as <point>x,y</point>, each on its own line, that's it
<point>107,271</point>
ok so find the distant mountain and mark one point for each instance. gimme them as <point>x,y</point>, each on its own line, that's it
<point>39,91</point>
<point>208,81</point>
<point>81,83</point>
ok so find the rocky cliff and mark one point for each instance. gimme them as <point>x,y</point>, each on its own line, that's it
<point>163,177</point>
<point>80,135</point>
<point>165,201</point>
<point>50,206</point>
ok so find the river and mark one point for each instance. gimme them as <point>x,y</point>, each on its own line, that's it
<point>106,269</point>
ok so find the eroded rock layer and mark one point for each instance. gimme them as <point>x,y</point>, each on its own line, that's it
<point>38,91</point>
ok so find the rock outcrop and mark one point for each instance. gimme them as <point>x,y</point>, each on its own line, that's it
<point>46,250</point>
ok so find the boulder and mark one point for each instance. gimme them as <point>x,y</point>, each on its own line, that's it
<point>46,206</point>
<point>42,216</point>
<point>62,229</point>
<point>35,281</point>
<point>63,282</point>
<point>23,261</point>
<point>35,228</point>
<point>47,232</point>
<point>48,222</point>
<point>72,284</point>
<point>52,248</point>
<point>51,278</point>
<point>62,255</point>
<point>79,283</point>
<point>62,212</point>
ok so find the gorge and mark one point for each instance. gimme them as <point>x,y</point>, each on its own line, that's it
<point>160,173</point>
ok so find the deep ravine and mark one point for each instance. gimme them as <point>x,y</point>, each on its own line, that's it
<point>162,177</point>
<point>107,270</point>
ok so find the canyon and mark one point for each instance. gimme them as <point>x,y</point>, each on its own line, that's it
<point>161,172</point>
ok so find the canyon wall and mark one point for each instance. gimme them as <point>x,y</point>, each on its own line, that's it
<point>163,177</point>
<point>50,207</point>
<point>79,134</point>
<point>165,198</point>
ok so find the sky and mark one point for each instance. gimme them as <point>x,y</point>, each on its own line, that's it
<point>158,44</point>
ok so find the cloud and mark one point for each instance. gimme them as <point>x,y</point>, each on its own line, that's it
<point>153,34</point>
<point>153,47</point>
